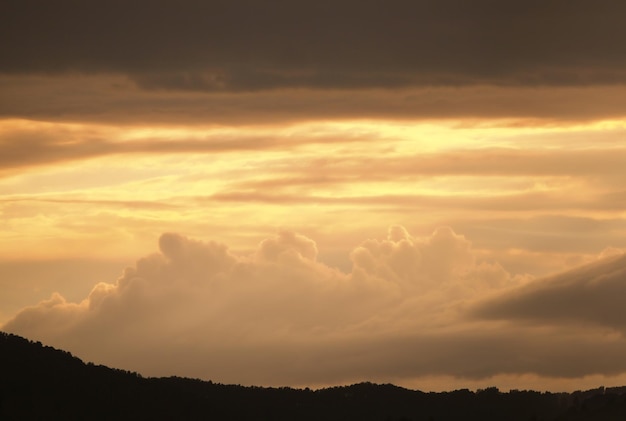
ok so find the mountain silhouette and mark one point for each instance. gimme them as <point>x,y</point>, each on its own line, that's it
<point>40,382</point>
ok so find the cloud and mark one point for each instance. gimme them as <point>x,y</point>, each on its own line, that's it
<point>24,143</point>
<point>592,294</point>
<point>196,308</point>
<point>410,308</point>
<point>504,202</point>
<point>116,99</point>
<point>27,147</point>
<point>460,162</point>
<point>227,46</point>
<point>25,280</point>
<point>544,234</point>
<point>443,257</point>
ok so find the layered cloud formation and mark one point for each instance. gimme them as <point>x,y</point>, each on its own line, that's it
<point>240,62</point>
<point>410,307</point>
<point>121,120</point>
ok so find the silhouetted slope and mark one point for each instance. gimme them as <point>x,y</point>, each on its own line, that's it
<point>40,382</point>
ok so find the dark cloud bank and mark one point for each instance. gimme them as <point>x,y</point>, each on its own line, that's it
<point>593,294</point>
<point>249,45</point>
<point>251,62</point>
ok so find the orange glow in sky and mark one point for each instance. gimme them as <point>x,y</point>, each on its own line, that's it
<point>411,204</point>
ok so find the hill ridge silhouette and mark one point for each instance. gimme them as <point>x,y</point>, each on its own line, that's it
<point>41,382</point>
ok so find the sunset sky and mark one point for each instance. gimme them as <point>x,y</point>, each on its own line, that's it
<point>310,193</point>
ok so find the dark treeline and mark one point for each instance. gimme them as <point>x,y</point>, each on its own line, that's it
<point>40,382</point>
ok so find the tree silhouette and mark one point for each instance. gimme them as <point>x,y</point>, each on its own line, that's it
<point>40,382</point>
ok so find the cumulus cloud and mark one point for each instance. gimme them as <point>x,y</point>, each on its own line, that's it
<point>280,316</point>
<point>441,258</point>
<point>194,297</point>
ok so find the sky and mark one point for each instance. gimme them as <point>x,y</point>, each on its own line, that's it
<point>315,193</point>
